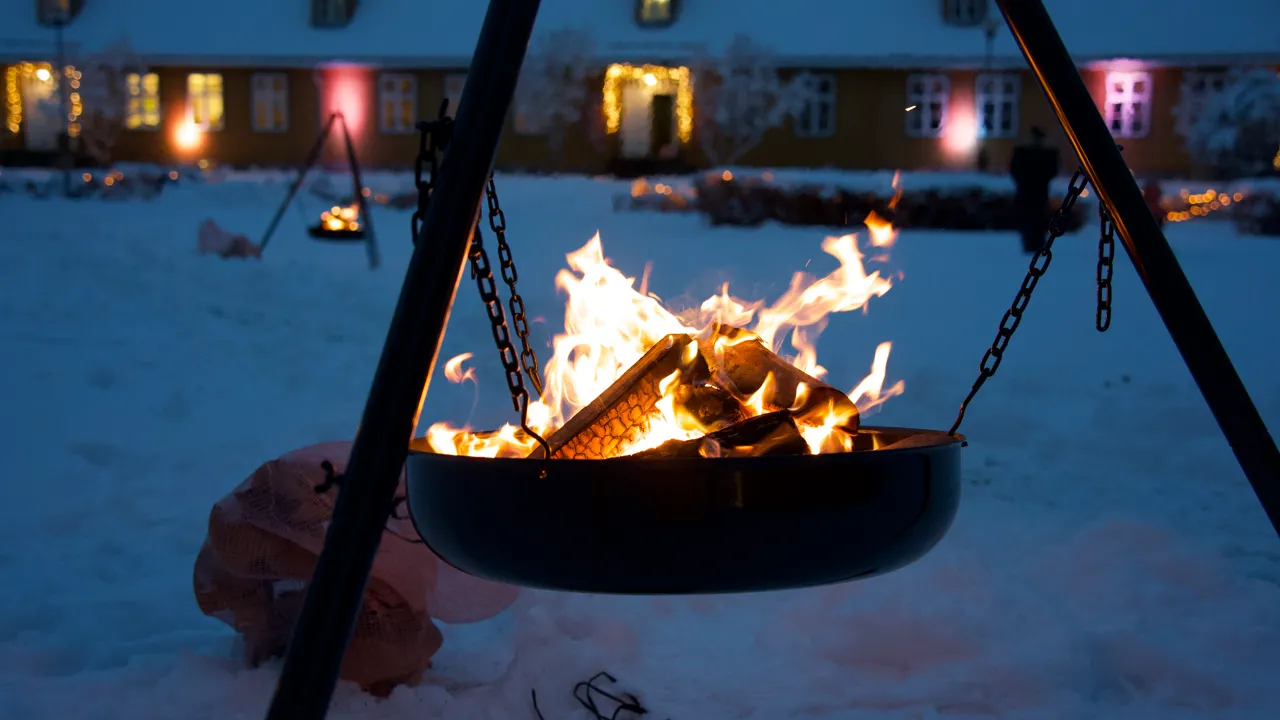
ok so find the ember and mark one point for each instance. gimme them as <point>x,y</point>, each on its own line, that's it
<point>630,377</point>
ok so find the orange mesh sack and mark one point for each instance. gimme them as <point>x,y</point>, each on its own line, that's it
<point>263,542</point>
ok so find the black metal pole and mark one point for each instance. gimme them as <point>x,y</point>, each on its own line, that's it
<point>1158,267</point>
<point>367,493</point>
<point>312,156</point>
<point>370,242</point>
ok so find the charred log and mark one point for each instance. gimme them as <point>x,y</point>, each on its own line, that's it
<point>741,363</point>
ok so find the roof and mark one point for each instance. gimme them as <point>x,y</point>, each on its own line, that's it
<point>819,33</point>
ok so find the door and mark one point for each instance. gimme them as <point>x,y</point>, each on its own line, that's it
<point>41,111</point>
<point>662,135</point>
<point>637,121</point>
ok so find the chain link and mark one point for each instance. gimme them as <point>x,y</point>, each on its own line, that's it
<point>1013,316</point>
<point>1106,258</point>
<point>498,224</point>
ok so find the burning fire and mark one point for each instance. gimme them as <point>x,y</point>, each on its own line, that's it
<point>610,324</point>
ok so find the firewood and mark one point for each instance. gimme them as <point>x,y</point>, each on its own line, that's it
<point>740,363</point>
<point>773,433</point>
<point>619,416</point>
<point>708,408</point>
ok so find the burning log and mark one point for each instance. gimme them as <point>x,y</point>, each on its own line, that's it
<point>619,417</point>
<point>740,363</point>
<point>708,408</point>
<point>773,433</point>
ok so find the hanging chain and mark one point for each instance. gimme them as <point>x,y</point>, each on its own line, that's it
<point>1106,257</point>
<point>498,223</point>
<point>1013,316</point>
<point>434,139</point>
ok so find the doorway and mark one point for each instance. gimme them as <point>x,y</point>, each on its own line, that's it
<point>42,120</point>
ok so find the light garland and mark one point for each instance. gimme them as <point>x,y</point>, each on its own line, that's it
<point>1202,204</point>
<point>15,75</point>
<point>619,74</point>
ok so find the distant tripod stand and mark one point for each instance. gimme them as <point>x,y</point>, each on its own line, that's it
<point>371,246</point>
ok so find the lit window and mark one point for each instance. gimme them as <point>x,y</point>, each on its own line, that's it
<point>270,102</point>
<point>204,100</point>
<point>964,12</point>
<point>996,96</point>
<point>1128,110</point>
<point>454,84</point>
<point>397,102</point>
<point>1197,88</point>
<point>142,101</point>
<point>817,118</point>
<point>655,13</point>
<point>928,99</point>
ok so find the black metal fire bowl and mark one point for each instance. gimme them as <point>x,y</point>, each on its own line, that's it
<point>325,234</point>
<point>689,526</point>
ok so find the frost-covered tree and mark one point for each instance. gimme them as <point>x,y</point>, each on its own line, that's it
<point>740,96</point>
<point>552,92</point>
<point>104,95</point>
<point>1236,130</point>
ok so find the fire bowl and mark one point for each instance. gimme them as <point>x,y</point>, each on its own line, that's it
<point>689,526</point>
<point>324,233</point>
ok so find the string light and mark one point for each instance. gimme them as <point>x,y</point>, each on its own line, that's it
<point>652,75</point>
<point>1202,204</point>
<point>15,75</point>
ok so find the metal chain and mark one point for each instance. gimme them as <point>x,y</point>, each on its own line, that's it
<point>434,138</point>
<point>498,223</point>
<point>1106,257</point>
<point>1013,316</point>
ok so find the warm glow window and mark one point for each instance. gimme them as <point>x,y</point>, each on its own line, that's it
<point>454,83</point>
<point>996,96</point>
<point>1128,109</point>
<point>204,101</point>
<point>397,102</point>
<point>270,102</point>
<point>142,101</point>
<point>928,100</point>
<point>817,118</point>
<point>655,13</point>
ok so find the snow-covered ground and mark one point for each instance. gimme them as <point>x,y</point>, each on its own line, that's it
<point>1109,559</point>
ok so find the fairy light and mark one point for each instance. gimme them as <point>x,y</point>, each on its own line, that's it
<point>15,75</point>
<point>652,75</point>
<point>1202,204</point>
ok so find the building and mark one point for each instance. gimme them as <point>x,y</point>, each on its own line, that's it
<point>909,84</point>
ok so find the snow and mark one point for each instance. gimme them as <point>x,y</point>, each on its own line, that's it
<point>426,33</point>
<point>1109,559</point>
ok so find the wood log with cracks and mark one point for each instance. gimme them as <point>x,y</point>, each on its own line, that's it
<point>740,363</point>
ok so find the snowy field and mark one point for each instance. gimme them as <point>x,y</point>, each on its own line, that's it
<point>1109,559</point>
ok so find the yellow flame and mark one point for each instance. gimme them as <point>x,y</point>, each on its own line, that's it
<point>610,323</point>
<point>453,371</point>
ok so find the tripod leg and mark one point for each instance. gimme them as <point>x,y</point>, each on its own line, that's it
<point>312,157</point>
<point>370,242</point>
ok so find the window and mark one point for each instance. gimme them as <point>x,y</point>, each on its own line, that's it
<point>204,100</point>
<point>1197,88</point>
<point>997,97</point>
<point>818,116</point>
<point>270,102</point>
<point>965,13</point>
<point>142,101</point>
<point>454,83</point>
<point>928,98</point>
<point>398,102</point>
<point>1128,109</point>
<point>655,13</point>
<point>331,13</point>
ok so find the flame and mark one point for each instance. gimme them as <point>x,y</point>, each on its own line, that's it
<point>610,323</point>
<point>453,371</point>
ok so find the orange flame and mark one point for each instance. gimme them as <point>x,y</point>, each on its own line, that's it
<point>609,324</point>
